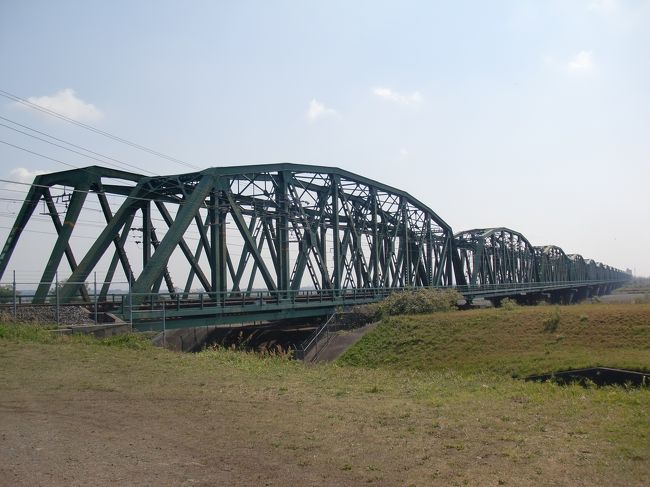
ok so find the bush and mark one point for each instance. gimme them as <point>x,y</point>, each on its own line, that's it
<point>552,321</point>
<point>508,304</point>
<point>359,315</point>
<point>7,294</point>
<point>418,301</point>
<point>642,300</point>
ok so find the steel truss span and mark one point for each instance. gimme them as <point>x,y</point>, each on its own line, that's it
<point>273,228</point>
<point>269,242</point>
<point>500,256</point>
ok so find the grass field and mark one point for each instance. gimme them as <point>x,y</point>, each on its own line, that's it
<point>638,285</point>
<point>516,341</point>
<point>76,411</point>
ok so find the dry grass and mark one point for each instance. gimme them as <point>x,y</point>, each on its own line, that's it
<point>75,411</point>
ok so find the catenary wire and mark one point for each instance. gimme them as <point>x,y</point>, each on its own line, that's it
<point>86,126</point>
<point>105,159</point>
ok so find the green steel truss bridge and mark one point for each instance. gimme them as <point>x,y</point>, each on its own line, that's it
<point>269,242</point>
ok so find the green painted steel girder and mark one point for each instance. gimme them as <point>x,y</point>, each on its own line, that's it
<point>298,226</point>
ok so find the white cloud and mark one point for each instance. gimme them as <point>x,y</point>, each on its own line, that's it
<point>318,110</point>
<point>20,175</point>
<point>583,61</point>
<point>403,98</point>
<point>67,103</point>
<point>604,6</point>
<point>24,175</point>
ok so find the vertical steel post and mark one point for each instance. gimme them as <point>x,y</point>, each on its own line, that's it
<point>164,324</point>
<point>405,244</point>
<point>375,239</point>
<point>218,256</point>
<point>282,227</point>
<point>429,255</point>
<point>335,233</point>
<point>146,233</point>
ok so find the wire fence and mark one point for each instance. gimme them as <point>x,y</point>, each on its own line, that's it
<point>44,301</point>
<point>41,302</point>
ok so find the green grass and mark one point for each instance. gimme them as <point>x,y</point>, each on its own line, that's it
<point>44,335</point>
<point>516,341</point>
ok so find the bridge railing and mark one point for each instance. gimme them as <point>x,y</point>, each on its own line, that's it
<point>179,301</point>
<point>149,306</point>
<point>317,341</point>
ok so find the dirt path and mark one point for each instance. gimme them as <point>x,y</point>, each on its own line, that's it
<point>76,415</point>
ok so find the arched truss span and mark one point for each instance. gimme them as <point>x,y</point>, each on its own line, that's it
<point>597,272</point>
<point>277,227</point>
<point>495,256</point>
<point>553,264</point>
<point>577,268</point>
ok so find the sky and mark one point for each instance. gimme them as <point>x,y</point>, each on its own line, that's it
<point>528,114</point>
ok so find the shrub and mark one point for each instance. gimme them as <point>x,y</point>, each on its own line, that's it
<point>508,304</point>
<point>643,300</point>
<point>418,301</point>
<point>552,321</point>
<point>360,315</point>
<point>7,294</point>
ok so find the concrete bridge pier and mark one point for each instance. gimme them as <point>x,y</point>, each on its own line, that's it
<point>599,290</point>
<point>580,294</point>
<point>564,296</point>
<point>528,299</point>
<point>496,302</point>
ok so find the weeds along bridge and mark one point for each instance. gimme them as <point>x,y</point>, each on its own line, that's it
<point>269,242</point>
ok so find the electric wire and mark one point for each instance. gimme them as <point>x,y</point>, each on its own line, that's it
<point>91,128</point>
<point>70,144</point>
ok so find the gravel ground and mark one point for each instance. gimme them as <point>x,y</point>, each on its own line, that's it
<point>68,315</point>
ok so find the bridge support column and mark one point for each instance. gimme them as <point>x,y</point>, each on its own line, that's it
<point>496,302</point>
<point>527,299</point>
<point>581,294</point>
<point>564,296</point>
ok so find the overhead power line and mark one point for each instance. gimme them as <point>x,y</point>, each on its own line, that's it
<point>132,166</point>
<point>103,161</point>
<point>38,154</point>
<point>116,138</point>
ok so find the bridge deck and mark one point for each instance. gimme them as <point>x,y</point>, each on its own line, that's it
<point>167,311</point>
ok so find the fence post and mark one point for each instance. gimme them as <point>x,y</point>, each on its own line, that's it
<point>95,296</point>
<point>130,304</point>
<point>164,326</point>
<point>14,292</point>
<point>56,292</point>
